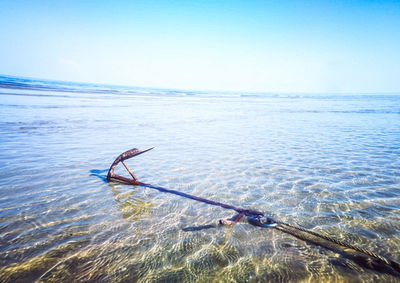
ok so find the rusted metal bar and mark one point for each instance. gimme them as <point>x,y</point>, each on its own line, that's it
<point>129,170</point>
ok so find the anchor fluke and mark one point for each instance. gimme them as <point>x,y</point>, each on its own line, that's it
<point>121,158</point>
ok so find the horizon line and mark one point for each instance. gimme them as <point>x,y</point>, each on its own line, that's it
<point>207,90</point>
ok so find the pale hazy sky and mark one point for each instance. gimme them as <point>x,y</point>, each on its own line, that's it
<point>272,46</point>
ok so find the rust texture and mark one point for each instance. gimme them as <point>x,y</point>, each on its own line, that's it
<point>121,158</point>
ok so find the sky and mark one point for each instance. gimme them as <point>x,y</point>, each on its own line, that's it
<point>267,46</point>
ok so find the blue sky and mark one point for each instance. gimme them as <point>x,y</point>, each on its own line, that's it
<point>272,46</point>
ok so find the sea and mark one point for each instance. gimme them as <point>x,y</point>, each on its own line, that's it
<point>329,163</point>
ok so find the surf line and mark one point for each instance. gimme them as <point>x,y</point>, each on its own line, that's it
<point>254,217</point>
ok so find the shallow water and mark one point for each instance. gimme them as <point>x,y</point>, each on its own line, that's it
<point>326,163</point>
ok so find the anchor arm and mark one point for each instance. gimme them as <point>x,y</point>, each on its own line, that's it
<point>121,158</point>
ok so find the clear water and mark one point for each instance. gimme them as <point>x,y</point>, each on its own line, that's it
<point>327,163</point>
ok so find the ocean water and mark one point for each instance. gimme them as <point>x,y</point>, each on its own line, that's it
<point>328,163</point>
